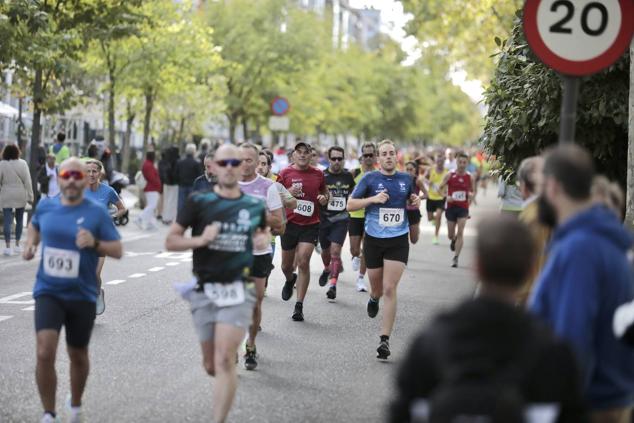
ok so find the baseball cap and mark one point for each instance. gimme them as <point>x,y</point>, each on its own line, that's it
<point>302,144</point>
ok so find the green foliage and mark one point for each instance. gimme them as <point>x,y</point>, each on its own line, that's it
<point>524,101</point>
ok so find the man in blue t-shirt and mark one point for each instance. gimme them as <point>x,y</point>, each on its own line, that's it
<point>385,194</point>
<point>73,231</point>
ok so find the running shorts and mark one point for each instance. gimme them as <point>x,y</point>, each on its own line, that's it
<point>413,216</point>
<point>454,213</point>
<point>433,205</point>
<point>297,233</point>
<point>77,317</point>
<point>356,227</point>
<point>330,232</point>
<point>375,250</point>
<point>262,266</point>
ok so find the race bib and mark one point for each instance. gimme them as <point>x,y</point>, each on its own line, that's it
<point>391,217</point>
<point>337,204</point>
<point>305,208</point>
<point>61,263</point>
<point>459,196</point>
<point>225,294</point>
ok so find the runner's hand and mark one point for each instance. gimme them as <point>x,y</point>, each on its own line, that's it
<point>380,198</point>
<point>29,252</point>
<point>295,190</point>
<point>323,200</point>
<point>209,234</point>
<point>414,200</point>
<point>261,239</point>
<point>84,239</point>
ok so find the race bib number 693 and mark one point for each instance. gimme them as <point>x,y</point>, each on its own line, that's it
<point>61,263</point>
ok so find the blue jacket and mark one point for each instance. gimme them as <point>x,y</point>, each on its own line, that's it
<point>586,277</point>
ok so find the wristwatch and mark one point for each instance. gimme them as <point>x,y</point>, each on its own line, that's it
<point>96,244</point>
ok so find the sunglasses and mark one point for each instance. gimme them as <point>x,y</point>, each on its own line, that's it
<point>368,156</point>
<point>232,162</point>
<point>77,175</point>
<point>336,159</point>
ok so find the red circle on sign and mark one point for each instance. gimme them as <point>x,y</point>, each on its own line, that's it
<point>280,102</point>
<point>578,68</point>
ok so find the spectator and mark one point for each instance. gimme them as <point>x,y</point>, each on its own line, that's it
<point>511,198</point>
<point>15,191</point>
<point>60,150</point>
<point>529,176</point>
<point>206,181</point>
<point>167,173</point>
<point>187,170</point>
<point>608,194</point>
<point>47,177</point>
<point>586,277</point>
<point>487,360</point>
<point>205,146</point>
<point>152,190</point>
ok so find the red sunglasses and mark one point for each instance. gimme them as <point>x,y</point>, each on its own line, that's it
<point>77,175</point>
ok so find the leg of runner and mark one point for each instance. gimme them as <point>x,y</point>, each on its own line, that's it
<point>459,240</point>
<point>45,375</point>
<point>101,300</point>
<point>358,263</point>
<point>335,268</point>
<point>437,222</point>
<point>219,361</point>
<point>288,268</point>
<point>79,369</point>
<point>414,232</point>
<point>250,359</point>
<point>451,234</point>
<point>326,259</point>
<point>304,252</point>
<point>392,272</point>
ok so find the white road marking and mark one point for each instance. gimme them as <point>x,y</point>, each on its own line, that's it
<point>137,275</point>
<point>187,260</point>
<point>11,299</point>
<point>155,269</point>
<point>172,263</point>
<point>174,255</point>
<point>2,318</point>
<point>134,254</point>
<point>32,308</point>
<point>115,282</point>
<point>136,237</point>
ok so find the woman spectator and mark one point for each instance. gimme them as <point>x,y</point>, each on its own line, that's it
<point>152,190</point>
<point>15,191</point>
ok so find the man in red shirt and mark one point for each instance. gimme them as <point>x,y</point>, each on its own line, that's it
<point>307,185</point>
<point>461,187</point>
<point>152,191</point>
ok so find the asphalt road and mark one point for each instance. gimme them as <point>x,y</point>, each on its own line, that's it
<point>146,361</point>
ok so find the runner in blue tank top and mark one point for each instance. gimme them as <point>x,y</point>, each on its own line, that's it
<point>385,195</point>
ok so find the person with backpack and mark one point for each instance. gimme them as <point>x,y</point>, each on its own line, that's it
<point>488,359</point>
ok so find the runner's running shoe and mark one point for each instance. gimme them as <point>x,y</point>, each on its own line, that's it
<point>323,279</point>
<point>298,314</point>
<point>250,362</point>
<point>332,292</point>
<point>373,307</point>
<point>383,352</point>
<point>287,290</point>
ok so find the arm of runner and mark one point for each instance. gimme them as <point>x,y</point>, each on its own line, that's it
<point>474,190</point>
<point>176,240</point>
<point>361,203</point>
<point>32,241</point>
<point>444,182</point>
<point>420,181</point>
<point>85,239</point>
<point>120,208</point>
<point>324,193</point>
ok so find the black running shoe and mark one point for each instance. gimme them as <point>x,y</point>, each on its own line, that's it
<point>250,362</point>
<point>452,246</point>
<point>332,292</point>
<point>287,291</point>
<point>454,262</point>
<point>298,314</point>
<point>373,308</point>
<point>383,352</point>
<point>323,279</point>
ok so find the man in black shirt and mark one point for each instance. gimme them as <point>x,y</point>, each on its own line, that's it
<point>487,354</point>
<point>187,170</point>
<point>226,226</point>
<point>333,225</point>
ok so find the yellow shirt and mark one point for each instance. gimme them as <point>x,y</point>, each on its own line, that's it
<point>435,179</point>
<point>358,174</point>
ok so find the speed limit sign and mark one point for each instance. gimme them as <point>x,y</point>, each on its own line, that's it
<point>578,37</point>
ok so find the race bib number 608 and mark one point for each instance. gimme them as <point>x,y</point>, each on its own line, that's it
<point>61,263</point>
<point>305,208</point>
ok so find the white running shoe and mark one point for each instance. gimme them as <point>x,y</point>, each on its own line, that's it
<point>361,285</point>
<point>356,263</point>
<point>17,249</point>
<point>47,418</point>
<point>7,252</point>
<point>74,413</point>
<point>101,302</point>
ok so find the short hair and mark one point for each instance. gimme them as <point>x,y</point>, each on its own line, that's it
<point>190,149</point>
<point>269,153</point>
<point>251,146</point>
<point>336,148</point>
<point>95,162</point>
<point>505,251</point>
<point>61,137</point>
<point>462,154</point>
<point>415,164</point>
<point>369,145</point>
<point>572,167</point>
<point>11,152</point>
<point>528,172</point>
<point>268,159</point>
<point>385,142</point>
<point>150,155</point>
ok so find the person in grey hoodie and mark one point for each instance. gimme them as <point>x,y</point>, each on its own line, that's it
<point>586,278</point>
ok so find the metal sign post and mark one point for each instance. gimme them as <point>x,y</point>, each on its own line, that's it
<point>569,109</point>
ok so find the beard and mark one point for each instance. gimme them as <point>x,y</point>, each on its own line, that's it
<point>546,212</point>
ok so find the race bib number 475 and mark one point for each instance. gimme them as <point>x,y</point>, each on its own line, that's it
<point>337,204</point>
<point>305,208</point>
<point>391,217</point>
<point>60,263</point>
<point>225,294</point>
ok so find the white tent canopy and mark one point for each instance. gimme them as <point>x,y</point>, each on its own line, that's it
<point>8,111</point>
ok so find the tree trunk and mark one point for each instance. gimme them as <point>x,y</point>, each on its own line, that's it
<point>233,122</point>
<point>111,117</point>
<point>181,130</point>
<point>36,130</point>
<point>245,128</point>
<point>149,105</point>
<point>125,149</point>
<point>629,202</point>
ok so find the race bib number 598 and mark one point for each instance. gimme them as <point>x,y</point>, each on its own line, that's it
<point>224,295</point>
<point>391,217</point>
<point>60,263</point>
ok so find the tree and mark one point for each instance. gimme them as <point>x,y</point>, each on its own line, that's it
<point>524,101</point>
<point>629,202</point>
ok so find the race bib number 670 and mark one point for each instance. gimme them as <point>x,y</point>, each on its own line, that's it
<point>391,217</point>
<point>60,263</point>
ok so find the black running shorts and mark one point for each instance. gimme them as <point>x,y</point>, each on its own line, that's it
<point>330,232</point>
<point>296,233</point>
<point>433,205</point>
<point>262,266</point>
<point>454,213</point>
<point>413,217</point>
<point>375,250</point>
<point>356,227</point>
<point>77,317</point>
